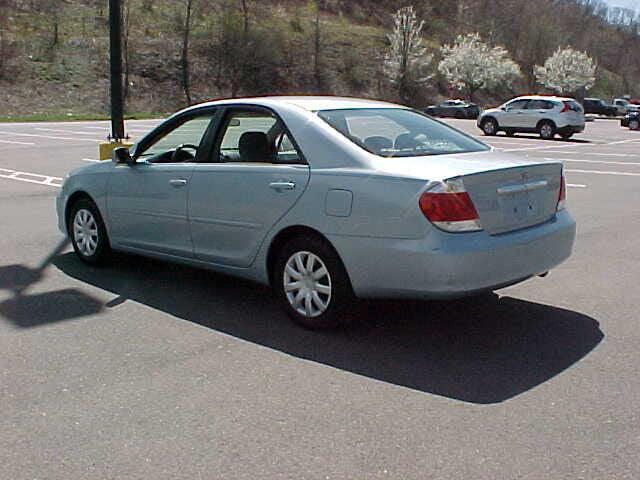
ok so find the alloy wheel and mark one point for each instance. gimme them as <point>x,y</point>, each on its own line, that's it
<point>546,131</point>
<point>307,284</point>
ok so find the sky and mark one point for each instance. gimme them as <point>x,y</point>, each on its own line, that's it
<point>635,4</point>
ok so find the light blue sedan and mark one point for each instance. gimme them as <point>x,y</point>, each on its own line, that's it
<point>324,199</point>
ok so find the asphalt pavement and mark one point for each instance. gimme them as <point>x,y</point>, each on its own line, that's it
<point>147,370</point>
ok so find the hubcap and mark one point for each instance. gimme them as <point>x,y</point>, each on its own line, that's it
<point>546,131</point>
<point>307,284</point>
<point>634,125</point>
<point>85,232</point>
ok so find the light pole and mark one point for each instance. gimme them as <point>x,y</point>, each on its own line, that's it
<point>115,57</point>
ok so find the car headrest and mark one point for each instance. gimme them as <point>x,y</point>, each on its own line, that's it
<point>405,140</point>
<point>378,143</point>
<point>255,147</point>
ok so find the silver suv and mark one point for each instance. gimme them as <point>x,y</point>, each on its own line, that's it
<point>544,115</point>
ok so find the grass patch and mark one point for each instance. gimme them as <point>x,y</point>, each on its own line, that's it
<point>73,117</point>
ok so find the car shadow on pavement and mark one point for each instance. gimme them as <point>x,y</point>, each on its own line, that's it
<point>483,350</point>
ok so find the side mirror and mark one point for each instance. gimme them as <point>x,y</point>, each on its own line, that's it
<point>122,155</point>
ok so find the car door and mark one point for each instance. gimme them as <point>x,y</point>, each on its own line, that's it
<point>147,201</point>
<point>536,110</point>
<point>256,174</point>
<point>513,114</point>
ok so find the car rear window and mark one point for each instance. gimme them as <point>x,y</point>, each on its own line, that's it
<point>398,132</point>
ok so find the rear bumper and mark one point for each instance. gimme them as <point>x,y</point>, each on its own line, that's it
<point>453,265</point>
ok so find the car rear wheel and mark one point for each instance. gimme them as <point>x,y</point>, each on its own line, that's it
<point>489,126</point>
<point>87,232</point>
<point>634,124</point>
<point>547,130</point>
<point>510,133</point>
<point>311,283</point>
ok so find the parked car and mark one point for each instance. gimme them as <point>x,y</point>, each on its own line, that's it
<point>624,106</point>
<point>324,199</point>
<point>599,107</point>
<point>544,115</point>
<point>454,109</point>
<point>631,120</point>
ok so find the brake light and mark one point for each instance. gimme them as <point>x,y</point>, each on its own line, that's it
<point>562,196</point>
<point>449,207</point>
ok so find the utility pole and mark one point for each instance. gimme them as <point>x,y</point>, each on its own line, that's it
<point>115,57</point>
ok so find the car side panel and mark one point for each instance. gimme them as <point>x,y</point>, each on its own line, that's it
<point>93,183</point>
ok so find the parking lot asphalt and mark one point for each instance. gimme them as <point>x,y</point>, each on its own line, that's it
<point>144,369</point>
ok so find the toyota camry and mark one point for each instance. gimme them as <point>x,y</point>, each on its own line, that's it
<point>325,199</point>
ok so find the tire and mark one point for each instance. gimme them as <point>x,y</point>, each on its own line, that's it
<point>510,133</point>
<point>306,303</point>
<point>489,127</point>
<point>567,135</point>
<point>85,222</point>
<point>634,124</point>
<point>547,130</point>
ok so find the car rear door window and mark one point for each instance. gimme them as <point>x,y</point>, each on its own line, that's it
<point>256,136</point>
<point>539,105</point>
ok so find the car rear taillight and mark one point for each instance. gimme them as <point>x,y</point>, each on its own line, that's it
<point>562,196</point>
<point>449,207</point>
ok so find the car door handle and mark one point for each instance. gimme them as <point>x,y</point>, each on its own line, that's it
<point>177,182</point>
<point>282,185</point>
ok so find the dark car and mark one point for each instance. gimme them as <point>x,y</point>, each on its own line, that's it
<point>599,107</point>
<point>454,109</point>
<point>631,120</point>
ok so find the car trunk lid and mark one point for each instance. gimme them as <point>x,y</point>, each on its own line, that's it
<point>508,191</point>
<point>513,198</point>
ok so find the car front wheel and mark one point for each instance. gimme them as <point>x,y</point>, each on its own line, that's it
<point>489,126</point>
<point>87,232</point>
<point>634,124</point>
<point>311,283</point>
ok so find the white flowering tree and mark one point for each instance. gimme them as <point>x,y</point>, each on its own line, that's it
<point>406,60</point>
<point>471,65</point>
<point>567,71</point>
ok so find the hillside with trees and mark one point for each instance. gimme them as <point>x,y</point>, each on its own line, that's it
<point>54,53</point>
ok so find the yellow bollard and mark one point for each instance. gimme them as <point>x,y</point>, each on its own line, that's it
<point>106,148</point>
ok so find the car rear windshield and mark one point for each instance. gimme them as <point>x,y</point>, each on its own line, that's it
<point>398,132</point>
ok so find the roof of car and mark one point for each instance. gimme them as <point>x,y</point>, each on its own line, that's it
<point>543,97</point>
<point>311,103</point>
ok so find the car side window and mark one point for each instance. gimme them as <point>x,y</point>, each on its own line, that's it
<point>539,105</point>
<point>517,104</point>
<point>179,144</point>
<point>255,136</point>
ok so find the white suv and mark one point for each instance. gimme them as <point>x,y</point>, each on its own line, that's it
<point>545,115</point>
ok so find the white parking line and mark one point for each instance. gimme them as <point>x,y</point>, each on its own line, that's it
<point>604,162</point>
<point>74,132</point>
<point>551,147</point>
<point>576,185</point>
<point>16,143</point>
<point>598,154</point>
<point>31,177</point>
<point>49,136</point>
<point>91,160</point>
<point>602,172</point>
